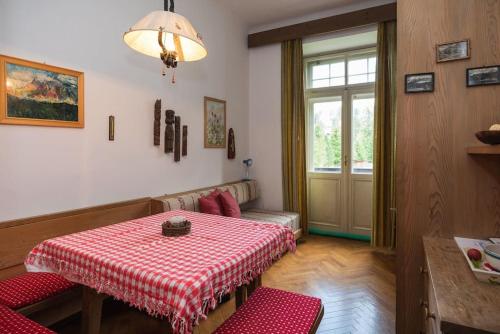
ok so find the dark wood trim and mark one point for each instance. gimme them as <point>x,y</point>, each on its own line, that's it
<point>317,321</point>
<point>325,25</point>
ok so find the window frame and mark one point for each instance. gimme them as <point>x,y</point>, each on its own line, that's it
<point>334,57</point>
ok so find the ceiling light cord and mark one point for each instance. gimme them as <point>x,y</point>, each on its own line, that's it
<point>166,8</point>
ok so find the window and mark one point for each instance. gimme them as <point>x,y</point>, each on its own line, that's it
<point>341,100</point>
<point>353,68</point>
<point>328,74</point>
<point>363,106</point>
<point>361,70</point>
<point>327,127</point>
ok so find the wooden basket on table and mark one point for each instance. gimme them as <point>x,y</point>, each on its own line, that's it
<point>176,227</point>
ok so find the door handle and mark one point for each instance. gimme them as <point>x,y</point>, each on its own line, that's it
<point>345,161</point>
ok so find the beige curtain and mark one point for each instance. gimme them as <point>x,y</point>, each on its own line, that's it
<point>293,130</point>
<point>384,218</point>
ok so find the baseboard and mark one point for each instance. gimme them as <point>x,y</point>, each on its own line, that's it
<point>317,231</point>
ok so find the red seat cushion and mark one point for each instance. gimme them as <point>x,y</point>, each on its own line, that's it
<point>15,323</point>
<point>230,205</point>
<point>30,288</point>
<point>273,311</point>
<point>211,204</point>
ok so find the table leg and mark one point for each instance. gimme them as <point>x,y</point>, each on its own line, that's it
<point>91,310</point>
<point>244,291</point>
<point>257,282</point>
<point>240,295</point>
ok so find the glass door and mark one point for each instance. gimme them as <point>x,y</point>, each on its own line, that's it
<point>340,115</point>
<point>362,114</point>
<point>326,163</point>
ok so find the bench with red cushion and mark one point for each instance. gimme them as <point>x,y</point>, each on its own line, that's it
<point>14,323</point>
<point>275,311</point>
<point>30,288</point>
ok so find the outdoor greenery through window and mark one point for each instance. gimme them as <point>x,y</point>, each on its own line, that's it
<point>327,135</point>
<point>362,132</point>
<point>341,112</point>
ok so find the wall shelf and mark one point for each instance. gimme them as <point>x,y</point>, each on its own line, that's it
<point>484,149</point>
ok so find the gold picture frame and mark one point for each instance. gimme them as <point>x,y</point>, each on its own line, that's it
<point>452,51</point>
<point>37,94</point>
<point>215,123</point>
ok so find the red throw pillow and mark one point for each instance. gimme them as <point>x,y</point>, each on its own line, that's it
<point>229,205</point>
<point>211,204</point>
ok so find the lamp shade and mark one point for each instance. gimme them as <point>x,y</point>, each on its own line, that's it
<point>177,35</point>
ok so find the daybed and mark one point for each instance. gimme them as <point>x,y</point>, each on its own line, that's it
<point>245,192</point>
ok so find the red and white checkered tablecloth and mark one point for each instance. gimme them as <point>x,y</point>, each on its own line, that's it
<point>180,278</point>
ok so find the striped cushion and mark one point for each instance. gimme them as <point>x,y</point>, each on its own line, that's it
<point>30,288</point>
<point>290,219</point>
<point>243,192</point>
<point>273,311</point>
<point>14,323</point>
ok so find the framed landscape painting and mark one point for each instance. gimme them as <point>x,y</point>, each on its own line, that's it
<point>215,123</point>
<point>38,94</point>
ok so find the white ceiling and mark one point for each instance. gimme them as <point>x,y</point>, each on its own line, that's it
<point>257,13</point>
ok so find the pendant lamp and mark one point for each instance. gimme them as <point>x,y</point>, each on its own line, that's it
<point>166,35</point>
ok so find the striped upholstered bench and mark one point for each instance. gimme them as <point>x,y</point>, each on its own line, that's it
<point>275,311</point>
<point>245,193</point>
<point>12,322</point>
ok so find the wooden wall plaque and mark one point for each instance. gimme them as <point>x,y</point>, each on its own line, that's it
<point>231,145</point>
<point>177,148</point>
<point>184,140</point>
<point>111,128</point>
<point>169,131</point>
<point>157,123</point>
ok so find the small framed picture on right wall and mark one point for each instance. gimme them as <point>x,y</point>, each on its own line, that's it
<point>419,83</point>
<point>453,51</point>
<point>483,76</point>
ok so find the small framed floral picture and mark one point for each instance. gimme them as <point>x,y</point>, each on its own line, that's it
<point>215,123</point>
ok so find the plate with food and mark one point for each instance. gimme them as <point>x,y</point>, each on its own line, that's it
<point>478,260</point>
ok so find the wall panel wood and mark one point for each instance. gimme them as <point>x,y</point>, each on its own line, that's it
<point>441,190</point>
<point>18,237</point>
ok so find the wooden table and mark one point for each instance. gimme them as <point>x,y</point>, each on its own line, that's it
<point>92,306</point>
<point>177,278</point>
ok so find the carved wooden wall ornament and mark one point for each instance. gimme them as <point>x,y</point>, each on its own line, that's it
<point>231,145</point>
<point>177,149</point>
<point>169,131</point>
<point>111,130</point>
<point>157,123</point>
<point>184,140</point>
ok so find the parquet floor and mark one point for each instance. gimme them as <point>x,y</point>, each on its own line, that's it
<point>355,282</point>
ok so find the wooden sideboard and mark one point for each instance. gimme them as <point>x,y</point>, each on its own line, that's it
<point>455,302</point>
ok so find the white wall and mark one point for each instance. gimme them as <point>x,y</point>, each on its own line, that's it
<point>265,124</point>
<point>46,170</point>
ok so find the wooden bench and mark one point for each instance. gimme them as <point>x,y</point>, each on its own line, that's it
<point>275,311</point>
<point>18,237</point>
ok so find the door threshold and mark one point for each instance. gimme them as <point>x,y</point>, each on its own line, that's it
<point>345,235</point>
